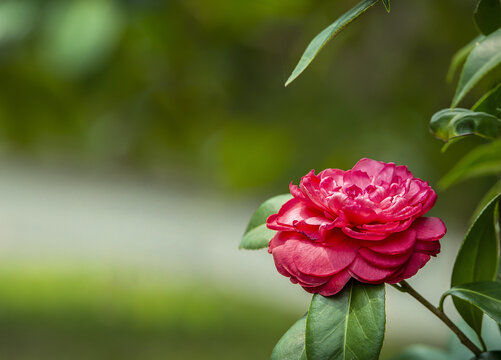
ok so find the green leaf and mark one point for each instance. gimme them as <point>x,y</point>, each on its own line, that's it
<point>321,39</point>
<point>485,295</point>
<point>387,5</point>
<point>291,345</point>
<point>491,355</point>
<point>484,57</point>
<point>422,352</point>
<point>487,16</point>
<point>448,124</point>
<point>476,261</point>
<point>348,325</point>
<point>257,235</point>
<point>483,160</point>
<point>460,56</point>
<point>490,102</point>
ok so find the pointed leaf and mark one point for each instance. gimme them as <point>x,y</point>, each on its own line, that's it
<point>349,325</point>
<point>321,39</point>
<point>487,16</point>
<point>485,295</point>
<point>257,235</point>
<point>484,57</point>
<point>476,261</point>
<point>387,5</point>
<point>490,103</point>
<point>483,160</point>
<point>459,57</point>
<point>291,345</point>
<point>448,124</point>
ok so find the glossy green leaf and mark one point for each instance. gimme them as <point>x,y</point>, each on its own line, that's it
<point>485,295</point>
<point>387,5</point>
<point>291,345</point>
<point>490,355</point>
<point>321,39</point>
<point>484,57</point>
<point>422,352</point>
<point>481,161</point>
<point>257,235</point>
<point>490,102</point>
<point>460,57</point>
<point>448,124</point>
<point>487,16</point>
<point>348,325</point>
<point>477,260</point>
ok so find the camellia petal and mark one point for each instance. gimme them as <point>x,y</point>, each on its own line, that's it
<point>416,262</point>
<point>397,243</point>
<point>429,228</point>
<point>313,258</point>
<point>365,271</point>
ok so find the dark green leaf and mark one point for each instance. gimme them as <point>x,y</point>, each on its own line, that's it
<point>485,295</point>
<point>348,325</point>
<point>448,124</point>
<point>291,345</point>
<point>257,235</point>
<point>483,160</point>
<point>490,102</point>
<point>459,57</point>
<point>484,57</point>
<point>387,5</point>
<point>491,355</point>
<point>476,261</point>
<point>487,16</point>
<point>422,352</point>
<point>321,39</point>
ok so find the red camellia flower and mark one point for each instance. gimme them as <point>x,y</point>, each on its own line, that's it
<point>365,223</point>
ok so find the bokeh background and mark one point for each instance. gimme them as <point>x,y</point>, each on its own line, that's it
<point>138,136</point>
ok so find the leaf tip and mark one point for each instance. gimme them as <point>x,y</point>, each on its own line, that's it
<point>290,80</point>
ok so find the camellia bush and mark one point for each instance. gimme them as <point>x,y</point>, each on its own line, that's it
<point>343,235</point>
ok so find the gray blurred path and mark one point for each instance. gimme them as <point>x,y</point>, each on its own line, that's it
<point>51,216</point>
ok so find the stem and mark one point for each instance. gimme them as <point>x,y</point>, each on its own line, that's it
<point>441,315</point>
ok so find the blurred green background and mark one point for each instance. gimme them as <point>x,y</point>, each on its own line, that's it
<point>111,109</point>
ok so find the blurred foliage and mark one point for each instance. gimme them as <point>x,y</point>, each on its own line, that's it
<point>194,89</point>
<point>55,314</point>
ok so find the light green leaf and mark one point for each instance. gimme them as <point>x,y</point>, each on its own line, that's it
<point>321,39</point>
<point>422,352</point>
<point>483,160</point>
<point>484,57</point>
<point>460,56</point>
<point>291,345</point>
<point>387,5</point>
<point>477,260</point>
<point>484,295</point>
<point>487,16</point>
<point>347,326</point>
<point>448,124</point>
<point>257,235</point>
<point>490,102</point>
